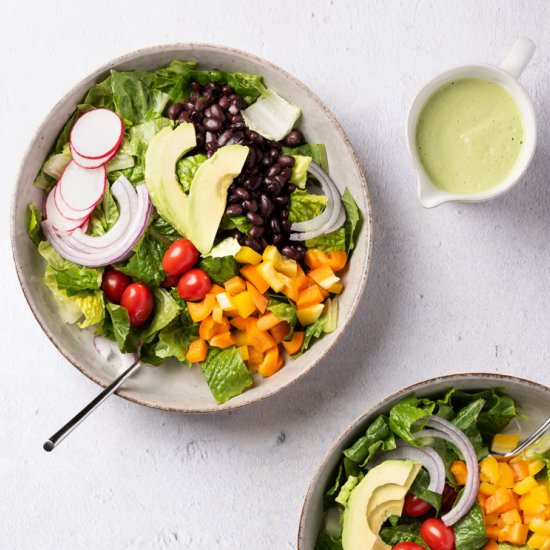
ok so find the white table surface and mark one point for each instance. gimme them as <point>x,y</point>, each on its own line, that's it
<point>455,289</point>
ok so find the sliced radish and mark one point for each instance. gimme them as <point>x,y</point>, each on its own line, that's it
<point>84,162</point>
<point>65,210</point>
<point>82,188</point>
<point>56,218</point>
<point>97,133</point>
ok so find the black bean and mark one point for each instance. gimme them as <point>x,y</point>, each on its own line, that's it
<point>291,187</point>
<point>217,112</point>
<point>277,239</point>
<point>281,200</point>
<point>274,187</point>
<point>188,105</point>
<point>283,214</point>
<point>213,87</point>
<point>286,161</point>
<point>256,219</point>
<point>256,231</point>
<point>266,206</point>
<point>251,205</point>
<point>201,103</point>
<point>235,233</point>
<point>241,238</point>
<point>225,137</point>
<point>251,158</point>
<point>227,90</point>
<point>237,137</point>
<point>255,137</point>
<point>242,193</point>
<point>285,225</point>
<point>294,138</point>
<point>286,173</point>
<point>212,124</point>
<point>279,178</point>
<point>266,161</point>
<point>210,138</point>
<point>275,226</point>
<point>233,210</point>
<point>224,103</point>
<point>211,97</point>
<point>233,198</point>
<point>184,116</point>
<point>274,169</point>
<point>194,96</point>
<point>195,86</point>
<point>174,111</point>
<point>289,252</point>
<point>196,116</point>
<point>233,109</point>
<point>273,154</point>
<point>252,182</point>
<point>236,118</point>
<point>200,139</point>
<point>254,244</point>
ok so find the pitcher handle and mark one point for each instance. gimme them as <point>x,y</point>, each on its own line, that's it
<point>518,57</point>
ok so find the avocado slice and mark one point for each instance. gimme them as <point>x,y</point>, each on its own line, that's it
<point>164,151</point>
<point>208,194</point>
<point>378,495</point>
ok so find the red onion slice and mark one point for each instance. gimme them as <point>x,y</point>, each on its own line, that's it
<point>449,432</point>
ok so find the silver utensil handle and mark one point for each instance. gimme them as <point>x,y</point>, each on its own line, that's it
<point>61,434</point>
<point>539,432</point>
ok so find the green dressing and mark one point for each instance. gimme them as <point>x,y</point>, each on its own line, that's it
<point>469,135</point>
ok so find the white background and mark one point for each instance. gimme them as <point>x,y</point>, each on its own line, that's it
<point>458,288</point>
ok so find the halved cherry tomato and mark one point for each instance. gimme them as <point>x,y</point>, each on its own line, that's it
<point>415,506</point>
<point>448,498</point>
<point>407,546</point>
<point>437,535</point>
<point>138,301</point>
<point>194,285</point>
<point>114,283</point>
<point>180,256</point>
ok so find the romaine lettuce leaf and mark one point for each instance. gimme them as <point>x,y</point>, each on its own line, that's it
<point>317,152</point>
<point>226,373</point>
<point>116,325</point>
<point>237,222</point>
<point>330,241</point>
<point>470,532</point>
<point>328,542</point>
<point>72,278</point>
<point>173,341</point>
<point>88,307</point>
<point>354,220</point>
<point>405,414</point>
<point>34,217</point>
<point>299,170</point>
<point>420,489</point>
<point>378,436</point>
<point>220,269</point>
<point>403,532</point>
<point>166,310</point>
<point>326,323</point>
<point>284,311</point>
<point>345,491</point>
<point>305,206</point>
<point>105,215</point>
<point>186,169</point>
<point>249,86</point>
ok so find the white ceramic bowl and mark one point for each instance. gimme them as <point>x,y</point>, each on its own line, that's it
<point>172,387</point>
<point>533,398</point>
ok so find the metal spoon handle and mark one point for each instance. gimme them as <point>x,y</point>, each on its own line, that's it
<point>61,434</point>
<point>538,433</point>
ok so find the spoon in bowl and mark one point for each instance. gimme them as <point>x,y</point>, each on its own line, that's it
<point>535,438</point>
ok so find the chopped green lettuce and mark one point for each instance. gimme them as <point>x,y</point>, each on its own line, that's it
<point>226,373</point>
<point>299,170</point>
<point>241,223</point>
<point>186,169</point>
<point>104,215</point>
<point>220,269</point>
<point>325,324</point>
<point>420,489</point>
<point>406,414</point>
<point>305,206</point>
<point>34,217</point>
<point>284,311</point>
<point>55,164</point>
<point>166,310</point>
<point>317,152</point>
<point>403,532</point>
<point>346,489</point>
<point>378,436</point>
<point>116,324</point>
<point>173,341</point>
<point>470,532</point>
<point>328,542</point>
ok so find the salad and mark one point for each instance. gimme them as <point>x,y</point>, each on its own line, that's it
<point>187,217</point>
<point>422,477</point>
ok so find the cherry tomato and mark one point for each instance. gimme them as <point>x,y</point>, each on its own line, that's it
<point>194,284</point>
<point>180,256</point>
<point>415,506</point>
<point>114,284</point>
<point>448,498</point>
<point>437,535</point>
<point>170,281</point>
<point>138,301</point>
<point>408,546</point>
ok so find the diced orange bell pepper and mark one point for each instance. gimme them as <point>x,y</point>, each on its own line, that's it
<point>241,338</point>
<point>505,476</point>
<point>481,498</point>
<point>337,259</point>
<point>267,321</point>
<point>309,296</point>
<point>280,331</point>
<point>316,258</point>
<point>260,339</point>
<point>260,301</point>
<point>242,324</point>
<point>244,304</point>
<point>515,534</point>
<point>491,545</point>
<point>487,489</point>
<point>294,345</point>
<point>199,311</point>
<point>324,276</point>
<point>510,517</point>
<point>250,273</point>
<point>529,517</point>
<point>521,469</point>
<point>197,351</point>
<point>502,501</point>
<point>271,363</point>
<point>295,285</point>
<point>491,519</point>
<point>275,279</point>
<point>234,285</point>
<point>255,358</point>
<point>209,328</point>
<point>459,471</point>
<point>222,340</point>
<point>217,314</point>
<point>216,289</point>
<point>492,531</point>
<point>488,469</point>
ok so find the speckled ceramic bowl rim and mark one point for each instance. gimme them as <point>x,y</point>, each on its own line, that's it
<point>136,54</point>
<point>450,378</point>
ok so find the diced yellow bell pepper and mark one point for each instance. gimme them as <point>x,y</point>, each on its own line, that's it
<point>324,277</point>
<point>247,255</point>
<point>283,264</point>
<point>541,494</point>
<point>540,526</point>
<point>537,541</point>
<point>309,315</point>
<point>244,304</point>
<point>336,288</point>
<point>531,504</point>
<point>488,469</point>
<point>510,517</point>
<point>503,443</point>
<point>271,276</point>
<point>226,303</point>
<point>535,467</point>
<point>487,489</point>
<point>525,485</point>
<point>505,476</point>
<point>243,352</point>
